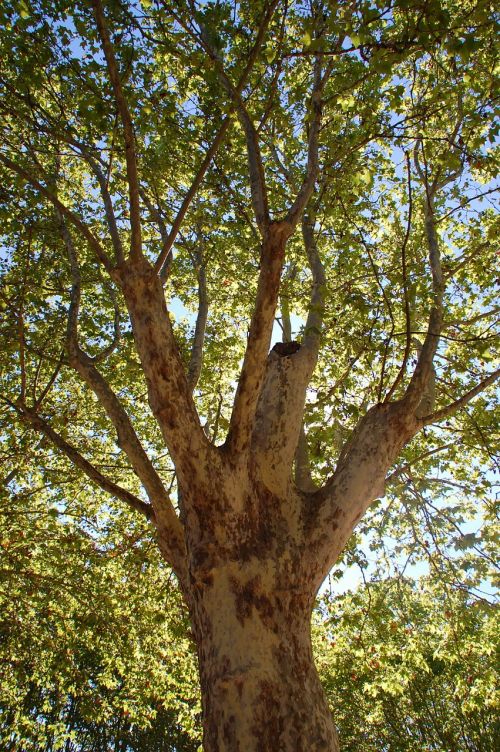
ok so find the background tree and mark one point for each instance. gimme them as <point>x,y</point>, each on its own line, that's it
<point>361,206</point>
<point>418,663</point>
<point>94,646</point>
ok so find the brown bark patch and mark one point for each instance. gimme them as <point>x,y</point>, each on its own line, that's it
<point>229,734</point>
<point>248,596</point>
<point>268,727</point>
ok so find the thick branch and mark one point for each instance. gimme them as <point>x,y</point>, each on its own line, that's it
<point>259,337</point>
<point>280,436</point>
<point>302,465</point>
<point>273,249</point>
<point>279,414</point>
<point>331,513</point>
<point>128,130</point>
<point>279,418</point>
<point>282,392</point>
<point>169,394</point>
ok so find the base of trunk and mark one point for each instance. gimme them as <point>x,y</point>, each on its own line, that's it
<point>260,688</point>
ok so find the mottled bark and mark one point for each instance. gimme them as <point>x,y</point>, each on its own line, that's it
<point>252,543</point>
<point>258,549</point>
<point>260,688</point>
<point>250,596</point>
<point>169,394</point>
<point>359,478</point>
<point>259,338</point>
<point>279,413</point>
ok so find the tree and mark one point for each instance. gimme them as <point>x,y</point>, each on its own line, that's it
<point>89,660</point>
<point>418,663</point>
<point>362,207</point>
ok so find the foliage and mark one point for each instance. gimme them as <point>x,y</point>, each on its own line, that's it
<point>418,663</point>
<point>416,80</point>
<point>94,646</point>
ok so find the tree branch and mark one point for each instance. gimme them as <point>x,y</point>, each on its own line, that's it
<point>303,476</point>
<point>272,256</point>
<point>462,323</point>
<point>306,190</point>
<point>50,383</point>
<point>259,337</point>
<point>39,424</point>
<point>169,394</point>
<point>406,354</point>
<point>128,131</point>
<point>157,217</point>
<point>445,412</point>
<point>127,439</point>
<point>107,351</point>
<point>196,360</point>
<point>332,512</point>
<point>314,321</point>
<point>424,368</point>
<point>408,465</point>
<point>74,219</point>
<point>53,130</point>
<point>191,193</point>
<point>277,438</point>
<point>108,205</point>
<point>258,187</point>
<point>252,57</point>
<point>275,236</point>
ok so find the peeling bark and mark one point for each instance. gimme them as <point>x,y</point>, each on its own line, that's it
<point>260,688</point>
<point>250,597</point>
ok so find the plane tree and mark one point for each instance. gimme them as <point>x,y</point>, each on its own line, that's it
<point>321,167</point>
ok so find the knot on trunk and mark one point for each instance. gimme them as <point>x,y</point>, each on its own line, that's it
<point>283,349</point>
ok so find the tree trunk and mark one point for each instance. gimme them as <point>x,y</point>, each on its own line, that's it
<point>260,688</point>
<point>257,551</point>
